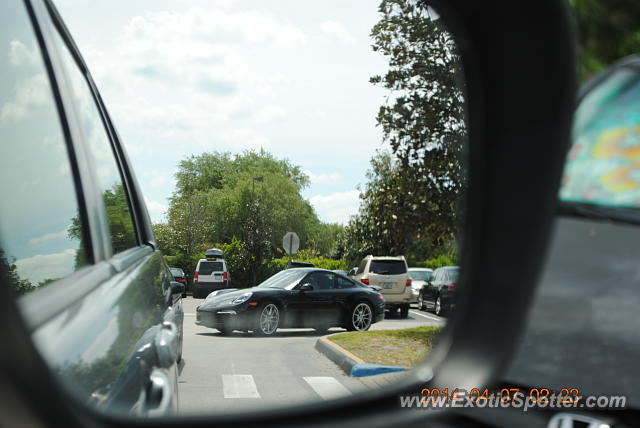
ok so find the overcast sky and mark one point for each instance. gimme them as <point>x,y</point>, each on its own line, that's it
<point>184,77</point>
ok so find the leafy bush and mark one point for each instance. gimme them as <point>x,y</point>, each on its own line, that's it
<point>440,261</point>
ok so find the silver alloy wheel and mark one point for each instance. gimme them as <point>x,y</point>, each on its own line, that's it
<point>361,318</point>
<point>438,306</point>
<point>269,319</point>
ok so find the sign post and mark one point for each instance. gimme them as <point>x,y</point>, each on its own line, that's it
<point>290,243</point>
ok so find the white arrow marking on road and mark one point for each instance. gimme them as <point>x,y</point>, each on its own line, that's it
<point>239,386</point>
<point>428,316</point>
<point>327,387</point>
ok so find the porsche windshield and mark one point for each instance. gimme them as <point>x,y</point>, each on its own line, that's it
<point>287,279</point>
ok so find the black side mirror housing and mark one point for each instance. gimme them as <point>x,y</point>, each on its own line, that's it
<point>306,287</point>
<point>177,287</point>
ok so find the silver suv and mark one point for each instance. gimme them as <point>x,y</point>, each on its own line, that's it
<point>391,275</point>
<point>210,275</point>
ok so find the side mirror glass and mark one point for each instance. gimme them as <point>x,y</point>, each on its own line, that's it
<point>306,287</point>
<point>177,287</point>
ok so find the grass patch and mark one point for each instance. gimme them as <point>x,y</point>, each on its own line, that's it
<point>404,348</point>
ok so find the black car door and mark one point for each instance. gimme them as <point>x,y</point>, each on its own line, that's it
<point>314,307</point>
<point>430,287</point>
<point>99,305</point>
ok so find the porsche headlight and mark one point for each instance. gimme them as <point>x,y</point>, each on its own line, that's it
<point>242,299</point>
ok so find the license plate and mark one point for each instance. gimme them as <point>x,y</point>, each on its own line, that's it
<point>387,285</point>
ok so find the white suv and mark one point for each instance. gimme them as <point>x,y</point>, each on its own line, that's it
<point>391,275</point>
<point>210,275</point>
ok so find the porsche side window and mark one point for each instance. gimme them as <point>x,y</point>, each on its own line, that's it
<point>321,280</point>
<point>40,230</point>
<point>123,234</point>
<point>343,283</point>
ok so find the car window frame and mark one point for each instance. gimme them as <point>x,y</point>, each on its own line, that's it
<point>42,304</point>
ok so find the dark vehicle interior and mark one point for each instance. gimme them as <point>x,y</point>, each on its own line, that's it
<point>532,315</point>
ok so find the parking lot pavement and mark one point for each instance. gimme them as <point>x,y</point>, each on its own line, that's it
<point>239,372</point>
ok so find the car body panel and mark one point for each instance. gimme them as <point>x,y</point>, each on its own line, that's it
<point>99,329</point>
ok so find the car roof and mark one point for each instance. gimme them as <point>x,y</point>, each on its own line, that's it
<point>386,257</point>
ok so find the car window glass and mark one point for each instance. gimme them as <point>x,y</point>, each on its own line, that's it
<point>362,266</point>
<point>206,268</point>
<point>321,280</point>
<point>123,234</point>
<point>40,228</point>
<point>343,283</point>
<point>388,267</point>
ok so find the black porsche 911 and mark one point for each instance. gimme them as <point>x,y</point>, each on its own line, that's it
<point>294,298</point>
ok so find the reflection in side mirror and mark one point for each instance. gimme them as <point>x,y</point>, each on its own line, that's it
<point>306,287</point>
<point>177,287</point>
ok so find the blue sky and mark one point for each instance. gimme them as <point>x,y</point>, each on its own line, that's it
<point>185,77</point>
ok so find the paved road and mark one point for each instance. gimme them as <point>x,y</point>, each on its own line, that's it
<point>239,371</point>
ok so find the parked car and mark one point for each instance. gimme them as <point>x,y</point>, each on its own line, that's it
<point>93,290</point>
<point>210,275</point>
<point>352,272</point>
<point>438,295</point>
<point>182,278</point>
<point>294,298</point>
<point>419,278</point>
<point>389,273</point>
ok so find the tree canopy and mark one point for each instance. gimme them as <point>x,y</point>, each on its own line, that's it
<point>249,200</point>
<point>409,203</point>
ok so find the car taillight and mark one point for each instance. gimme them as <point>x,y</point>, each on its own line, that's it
<point>408,283</point>
<point>451,286</point>
<point>225,276</point>
<point>365,281</point>
<point>195,277</point>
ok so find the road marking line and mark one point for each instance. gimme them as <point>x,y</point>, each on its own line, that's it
<point>431,317</point>
<point>189,314</point>
<point>327,387</point>
<point>239,386</point>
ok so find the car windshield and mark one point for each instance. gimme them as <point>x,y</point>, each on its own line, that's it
<point>388,267</point>
<point>420,275</point>
<point>453,274</point>
<point>177,272</point>
<point>287,279</point>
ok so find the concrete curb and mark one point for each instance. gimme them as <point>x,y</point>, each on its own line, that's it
<point>336,353</point>
<point>352,365</point>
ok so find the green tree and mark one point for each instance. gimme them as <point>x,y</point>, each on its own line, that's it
<point>409,203</point>
<point>607,31</point>
<point>9,275</point>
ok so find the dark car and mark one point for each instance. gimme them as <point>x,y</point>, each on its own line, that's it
<point>438,294</point>
<point>95,294</point>
<point>181,277</point>
<point>294,298</point>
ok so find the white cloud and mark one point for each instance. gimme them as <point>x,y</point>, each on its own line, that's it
<point>332,177</point>
<point>46,266</point>
<point>31,93</point>
<point>156,210</point>
<point>19,54</point>
<point>49,237</point>
<point>337,207</point>
<point>337,31</point>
